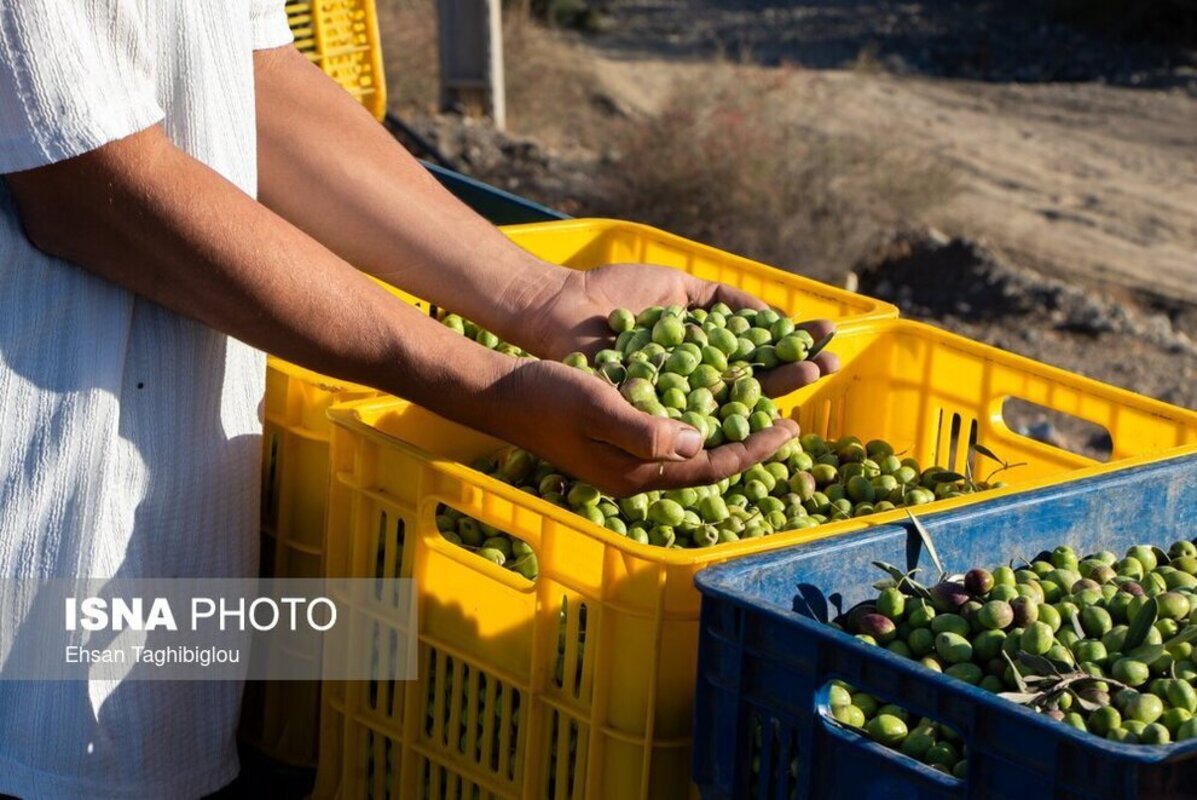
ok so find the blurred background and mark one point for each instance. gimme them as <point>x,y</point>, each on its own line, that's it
<point>1021,171</point>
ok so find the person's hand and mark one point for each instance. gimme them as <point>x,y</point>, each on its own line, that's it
<point>572,315</point>
<point>586,428</point>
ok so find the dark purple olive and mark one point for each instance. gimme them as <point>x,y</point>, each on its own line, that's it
<point>879,626</point>
<point>1132,587</point>
<point>978,582</point>
<point>858,613</point>
<point>947,597</point>
<point>1026,611</point>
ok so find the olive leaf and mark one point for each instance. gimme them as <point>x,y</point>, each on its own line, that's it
<point>884,583</point>
<point>1161,556</point>
<point>1036,679</point>
<point>925,535</point>
<point>985,451</point>
<point>1022,698</point>
<point>890,569</point>
<point>1141,625</point>
<point>902,580</point>
<point>1005,465</point>
<point>1189,634</point>
<point>819,345</point>
<point>1086,705</point>
<point>1039,664</point>
<point>947,476</point>
<point>1148,653</point>
<point>1076,624</point>
<point>1018,680</point>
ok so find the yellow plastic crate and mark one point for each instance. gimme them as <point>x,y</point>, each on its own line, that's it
<point>600,650</point>
<point>278,718</point>
<point>341,37</point>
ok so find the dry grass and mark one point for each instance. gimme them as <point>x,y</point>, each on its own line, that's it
<point>727,161</point>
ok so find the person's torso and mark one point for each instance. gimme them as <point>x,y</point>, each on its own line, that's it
<point>132,433</point>
<point>130,446</point>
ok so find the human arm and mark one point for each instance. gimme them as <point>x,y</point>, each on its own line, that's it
<point>368,200</point>
<point>144,214</point>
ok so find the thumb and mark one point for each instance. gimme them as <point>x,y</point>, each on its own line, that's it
<point>647,437</point>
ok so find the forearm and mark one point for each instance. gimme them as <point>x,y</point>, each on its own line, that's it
<point>143,214</point>
<point>341,177</point>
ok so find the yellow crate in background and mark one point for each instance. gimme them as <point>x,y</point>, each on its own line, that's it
<point>341,37</point>
<point>279,718</point>
<point>580,684</point>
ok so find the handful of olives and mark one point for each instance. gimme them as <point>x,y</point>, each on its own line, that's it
<point>697,365</point>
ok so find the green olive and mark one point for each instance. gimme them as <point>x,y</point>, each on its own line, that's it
<point>886,729</point>
<point>668,331</point>
<point>649,316</point>
<point>745,347</point>
<point>953,648</point>
<point>780,329</point>
<point>620,320</point>
<point>681,362</point>
<point>1037,639</point>
<point>759,421</point>
<point>790,349</point>
<point>724,340</point>
<point>736,428</point>
<point>666,512</point>
<point>492,555</point>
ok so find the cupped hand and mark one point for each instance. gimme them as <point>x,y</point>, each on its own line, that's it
<point>586,428</point>
<point>572,315</point>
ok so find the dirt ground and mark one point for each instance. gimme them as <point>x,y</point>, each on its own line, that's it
<point>1095,180</point>
<point>1074,158</point>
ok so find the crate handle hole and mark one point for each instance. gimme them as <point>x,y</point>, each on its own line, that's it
<point>1057,429</point>
<point>945,748</point>
<point>481,540</point>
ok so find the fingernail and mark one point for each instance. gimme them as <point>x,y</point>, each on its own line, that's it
<point>688,442</point>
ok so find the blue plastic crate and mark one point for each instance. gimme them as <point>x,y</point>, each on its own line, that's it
<point>497,205</point>
<point>763,665</point>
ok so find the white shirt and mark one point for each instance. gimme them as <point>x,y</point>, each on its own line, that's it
<point>130,441</point>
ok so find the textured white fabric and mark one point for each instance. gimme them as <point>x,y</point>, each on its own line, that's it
<point>130,438</point>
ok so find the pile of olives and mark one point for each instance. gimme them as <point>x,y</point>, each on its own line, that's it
<point>809,482</point>
<point>482,336</point>
<point>1101,643</point>
<point>933,743</point>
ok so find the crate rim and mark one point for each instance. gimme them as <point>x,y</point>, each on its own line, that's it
<point>881,310</point>
<point>348,415</point>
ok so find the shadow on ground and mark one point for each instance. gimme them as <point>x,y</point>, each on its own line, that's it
<point>989,40</point>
